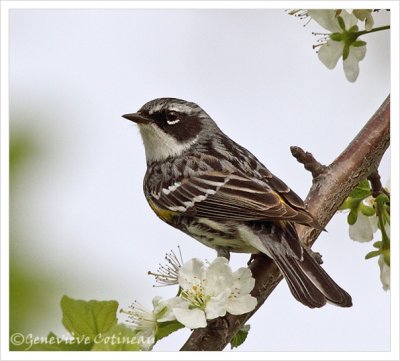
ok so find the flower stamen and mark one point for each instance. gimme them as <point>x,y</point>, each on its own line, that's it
<point>139,315</point>
<point>167,275</point>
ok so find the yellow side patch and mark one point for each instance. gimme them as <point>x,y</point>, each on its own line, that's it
<point>165,214</point>
<point>280,198</point>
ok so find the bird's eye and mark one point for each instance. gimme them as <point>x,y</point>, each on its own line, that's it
<point>172,118</point>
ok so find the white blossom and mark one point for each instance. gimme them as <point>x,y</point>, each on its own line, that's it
<point>364,228</point>
<point>240,301</point>
<point>331,51</point>
<point>385,273</point>
<point>145,321</point>
<point>328,19</point>
<point>365,15</point>
<point>210,292</point>
<point>350,65</point>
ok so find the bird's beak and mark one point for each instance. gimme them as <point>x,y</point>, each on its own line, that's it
<point>137,118</point>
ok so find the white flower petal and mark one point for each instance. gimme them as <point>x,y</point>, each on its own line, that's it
<point>208,291</point>
<point>177,302</point>
<point>166,306</point>
<point>325,18</point>
<point>216,306</point>
<point>365,15</point>
<point>358,52</point>
<point>194,318</point>
<point>369,22</point>
<point>374,223</point>
<point>218,276</point>
<point>146,339</point>
<point>156,301</point>
<point>350,65</point>
<point>330,53</point>
<point>362,230</point>
<point>385,273</point>
<point>243,281</point>
<point>241,305</point>
<point>192,272</point>
<point>348,18</point>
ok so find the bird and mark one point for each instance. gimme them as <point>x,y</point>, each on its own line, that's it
<point>203,183</point>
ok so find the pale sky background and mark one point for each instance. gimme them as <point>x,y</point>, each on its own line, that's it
<point>86,221</point>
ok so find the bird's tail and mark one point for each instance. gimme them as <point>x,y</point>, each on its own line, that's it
<point>307,280</point>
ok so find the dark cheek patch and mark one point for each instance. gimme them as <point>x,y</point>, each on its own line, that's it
<point>187,129</point>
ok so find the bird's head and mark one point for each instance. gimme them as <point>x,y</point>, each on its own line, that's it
<point>169,126</point>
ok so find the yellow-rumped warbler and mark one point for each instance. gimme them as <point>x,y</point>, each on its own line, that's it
<point>200,181</point>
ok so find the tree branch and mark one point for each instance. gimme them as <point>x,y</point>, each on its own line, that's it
<point>331,185</point>
<point>310,163</point>
<point>376,185</point>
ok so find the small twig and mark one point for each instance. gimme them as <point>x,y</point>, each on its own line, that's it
<point>310,163</point>
<point>375,180</point>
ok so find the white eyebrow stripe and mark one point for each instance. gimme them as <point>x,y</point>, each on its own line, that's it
<point>181,108</point>
<point>156,108</point>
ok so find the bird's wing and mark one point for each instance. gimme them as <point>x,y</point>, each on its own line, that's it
<point>282,189</point>
<point>231,197</point>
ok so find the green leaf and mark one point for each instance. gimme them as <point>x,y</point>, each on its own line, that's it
<point>360,193</point>
<point>166,328</point>
<point>367,210</point>
<point>382,198</point>
<point>358,43</point>
<point>378,244</point>
<point>364,184</point>
<point>55,343</point>
<point>118,338</point>
<point>373,254</point>
<point>352,217</point>
<point>346,204</point>
<point>240,336</point>
<point>23,149</point>
<point>88,318</point>
<point>386,213</point>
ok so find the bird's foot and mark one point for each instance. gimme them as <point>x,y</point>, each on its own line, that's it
<point>316,255</point>
<point>223,252</point>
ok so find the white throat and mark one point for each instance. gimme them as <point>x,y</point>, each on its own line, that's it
<point>159,145</point>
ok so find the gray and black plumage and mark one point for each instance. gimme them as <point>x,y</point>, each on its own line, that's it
<point>200,181</point>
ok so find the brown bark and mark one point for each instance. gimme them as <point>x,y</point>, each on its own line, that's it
<point>331,185</point>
